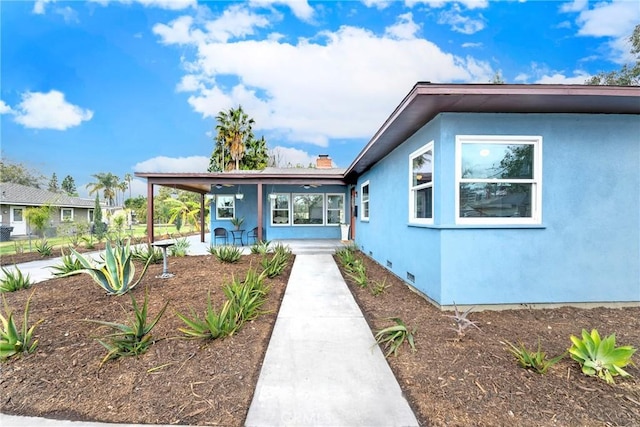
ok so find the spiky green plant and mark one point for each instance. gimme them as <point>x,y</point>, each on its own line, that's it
<point>44,248</point>
<point>180,248</point>
<point>394,336</point>
<point>117,272</point>
<point>378,287</point>
<point>226,254</point>
<point>147,252</point>
<point>13,280</point>
<point>214,324</point>
<point>248,296</point>
<point>275,264</point>
<point>261,247</point>
<point>537,361</point>
<point>601,357</point>
<point>358,273</point>
<point>68,263</point>
<point>133,338</point>
<point>346,256</point>
<point>13,339</point>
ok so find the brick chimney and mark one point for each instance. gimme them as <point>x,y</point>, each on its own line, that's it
<point>324,162</point>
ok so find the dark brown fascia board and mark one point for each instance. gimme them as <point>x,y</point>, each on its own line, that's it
<point>449,95</point>
<point>191,182</point>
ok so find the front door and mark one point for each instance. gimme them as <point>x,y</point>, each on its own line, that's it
<point>17,221</point>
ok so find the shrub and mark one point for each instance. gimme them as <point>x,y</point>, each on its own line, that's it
<point>394,336</point>
<point>601,357</point>
<point>146,253</point>
<point>130,339</point>
<point>248,296</point>
<point>44,248</point>
<point>116,274</point>
<point>346,256</point>
<point>358,273</point>
<point>13,339</point>
<point>214,324</point>
<point>535,360</point>
<point>68,264</point>
<point>461,322</point>
<point>180,248</point>
<point>261,247</point>
<point>274,266</point>
<point>228,254</point>
<point>13,280</point>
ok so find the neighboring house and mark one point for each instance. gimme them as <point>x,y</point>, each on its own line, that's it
<point>16,198</point>
<point>481,194</point>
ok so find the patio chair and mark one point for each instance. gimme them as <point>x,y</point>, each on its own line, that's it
<point>220,233</point>
<point>253,234</point>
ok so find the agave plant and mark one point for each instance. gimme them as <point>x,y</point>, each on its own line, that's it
<point>68,263</point>
<point>537,361</point>
<point>461,321</point>
<point>601,357</point>
<point>117,272</point>
<point>394,336</point>
<point>13,280</point>
<point>130,339</point>
<point>15,340</point>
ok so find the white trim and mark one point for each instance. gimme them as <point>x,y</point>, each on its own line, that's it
<point>364,217</point>
<point>271,209</point>
<point>233,200</point>
<point>342,210</point>
<point>535,181</point>
<point>62,214</point>
<point>412,189</point>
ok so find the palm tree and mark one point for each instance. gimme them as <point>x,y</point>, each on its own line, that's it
<point>108,183</point>
<point>187,210</point>
<point>128,177</point>
<point>122,186</point>
<point>234,131</point>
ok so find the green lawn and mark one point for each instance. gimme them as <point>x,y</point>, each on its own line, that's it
<point>137,232</point>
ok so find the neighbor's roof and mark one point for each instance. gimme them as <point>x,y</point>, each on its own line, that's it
<point>17,194</point>
<point>426,100</point>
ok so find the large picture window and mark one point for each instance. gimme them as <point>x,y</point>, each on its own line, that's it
<point>225,207</point>
<point>421,185</point>
<point>364,200</point>
<point>280,210</point>
<point>335,209</point>
<point>498,179</point>
<point>308,209</point>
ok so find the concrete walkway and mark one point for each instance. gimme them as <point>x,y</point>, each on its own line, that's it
<point>322,367</point>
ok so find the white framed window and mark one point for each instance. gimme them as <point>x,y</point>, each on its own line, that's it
<point>335,209</point>
<point>66,214</point>
<point>89,215</point>
<point>421,185</point>
<point>498,179</point>
<point>225,207</point>
<point>308,209</point>
<point>364,200</point>
<point>280,209</point>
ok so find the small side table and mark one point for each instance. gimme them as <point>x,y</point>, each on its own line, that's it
<point>237,235</point>
<point>165,269</point>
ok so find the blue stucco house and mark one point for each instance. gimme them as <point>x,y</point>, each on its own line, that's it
<point>473,194</point>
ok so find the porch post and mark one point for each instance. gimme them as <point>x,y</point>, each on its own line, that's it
<point>150,231</point>
<point>202,218</point>
<point>259,211</point>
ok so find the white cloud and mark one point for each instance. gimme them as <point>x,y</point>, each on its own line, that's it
<point>49,111</point>
<point>378,4</point>
<point>68,14</point>
<point>173,164</point>
<point>574,6</point>
<point>40,5</point>
<point>469,4</point>
<point>160,4</point>
<point>300,8</point>
<point>471,45</point>
<point>5,109</point>
<point>578,78</point>
<point>460,23</point>
<point>335,84</point>
<point>291,157</point>
<point>404,29</point>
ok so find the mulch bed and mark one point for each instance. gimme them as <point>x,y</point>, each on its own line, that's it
<point>449,381</point>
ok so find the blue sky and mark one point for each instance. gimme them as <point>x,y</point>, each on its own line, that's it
<point>135,85</point>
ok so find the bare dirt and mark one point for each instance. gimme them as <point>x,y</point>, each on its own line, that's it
<point>449,381</point>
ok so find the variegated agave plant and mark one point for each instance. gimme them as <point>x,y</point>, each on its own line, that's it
<point>117,272</point>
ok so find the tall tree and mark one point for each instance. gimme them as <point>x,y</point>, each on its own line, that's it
<point>53,183</point>
<point>69,186</point>
<point>108,183</point>
<point>234,131</point>
<point>128,177</point>
<point>629,74</point>
<point>18,173</point>
<point>256,156</point>
<point>122,186</point>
